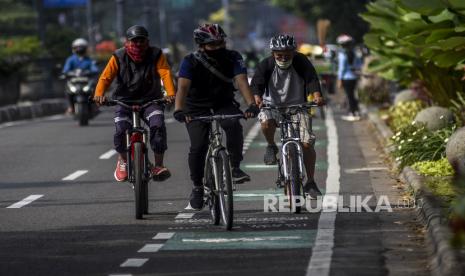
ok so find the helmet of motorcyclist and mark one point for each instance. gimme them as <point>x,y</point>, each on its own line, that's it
<point>80,46</point>
<point>344,39</point>
<point>209,33</point>
<point>283,42</point>
<point>136,31</point>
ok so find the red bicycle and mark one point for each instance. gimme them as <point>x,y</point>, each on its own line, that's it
<point>138,162</point>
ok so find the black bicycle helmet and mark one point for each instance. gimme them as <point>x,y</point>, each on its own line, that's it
<point>136,31</point>
<point>282,42</point>
<point>209,33</point>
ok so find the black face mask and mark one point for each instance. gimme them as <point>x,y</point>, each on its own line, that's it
<point>217,54</point>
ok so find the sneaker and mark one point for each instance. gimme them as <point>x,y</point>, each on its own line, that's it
<point>239,176</point>
<point>160,173</point>
<point>196,199</point>
<point>121,173</point>
<point>270,155</point>
<point>312,190</point>
<point>350,117</point>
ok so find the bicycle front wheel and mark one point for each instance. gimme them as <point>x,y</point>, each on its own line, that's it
<point>294,186</point>
<point>213,202</point>
<point>224,185</point>
<point>138,172</point>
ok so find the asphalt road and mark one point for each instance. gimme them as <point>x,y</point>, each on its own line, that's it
<point>76,220</point>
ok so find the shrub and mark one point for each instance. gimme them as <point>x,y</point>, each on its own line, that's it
<point>440,167</point>
<point>402,114</point>
<point>16,52</point>
<point>415,143</point>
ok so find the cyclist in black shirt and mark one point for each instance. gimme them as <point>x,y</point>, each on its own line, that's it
<point>206,85</point>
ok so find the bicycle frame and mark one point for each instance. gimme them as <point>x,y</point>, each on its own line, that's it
<point>290,136</point>
<point>137,134</point>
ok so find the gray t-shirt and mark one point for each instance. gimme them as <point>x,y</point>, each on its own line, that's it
<point>285,87</point>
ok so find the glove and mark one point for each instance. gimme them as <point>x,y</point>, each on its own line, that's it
<point>253,108</point>
<point>179,116</point>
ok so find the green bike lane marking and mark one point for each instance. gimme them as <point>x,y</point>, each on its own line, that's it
<point>241,240</point>
<point>262,144</point>
<point>258,195</point>
<point>320,165</point>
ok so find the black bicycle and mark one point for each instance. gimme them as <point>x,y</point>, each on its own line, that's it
<point>218,182</point>
<point>138,162</point>
<point>291,165</point>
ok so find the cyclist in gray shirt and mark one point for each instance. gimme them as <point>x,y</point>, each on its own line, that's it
<point>286,78</point>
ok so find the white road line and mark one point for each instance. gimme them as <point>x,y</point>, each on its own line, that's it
<point>25,201</point>
<point>108,154</point>
<point>366,169</point>
<point>254,239</point>
<point>322,251</point>
<point>134,262</point>
<point>151,247</point>
<point>184,216</point>
<point>75,175</point>
<point>120,275</point>
<point>251,135</point>
<point>163,236</point>
<point>170,120</point>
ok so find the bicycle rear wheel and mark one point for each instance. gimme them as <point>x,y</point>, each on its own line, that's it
<point>294,190</point>
<point>138,173</point>
<point>225,191</point>
<point>213,202</point>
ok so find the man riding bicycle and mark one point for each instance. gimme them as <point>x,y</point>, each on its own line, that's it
<point>138,68</point>
<point>287,78</point>
<point>205,86</point>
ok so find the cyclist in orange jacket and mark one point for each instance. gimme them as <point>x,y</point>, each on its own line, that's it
<point>138,69</point>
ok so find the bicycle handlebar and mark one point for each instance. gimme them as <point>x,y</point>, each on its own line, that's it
<point>128,104</point>
<point>217,117</point>
<point>296,106</point>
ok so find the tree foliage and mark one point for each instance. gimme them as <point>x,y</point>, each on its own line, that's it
<point>419,40</point>
<point>342,14</point>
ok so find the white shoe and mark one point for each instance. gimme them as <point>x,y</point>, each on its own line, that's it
<point>350,118</point>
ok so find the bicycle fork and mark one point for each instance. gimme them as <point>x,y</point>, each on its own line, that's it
<point>285,155</point>
<point>134,136</point>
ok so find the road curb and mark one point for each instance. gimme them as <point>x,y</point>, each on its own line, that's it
<point>31,110</point>
<point>445,260</point>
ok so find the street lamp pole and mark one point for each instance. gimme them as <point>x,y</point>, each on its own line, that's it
<point>119,19</point>
<point>162,22</point>
<point>90,25</point>
<point>227,21</point>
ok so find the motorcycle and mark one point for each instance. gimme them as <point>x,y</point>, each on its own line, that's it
<point>80,86</point>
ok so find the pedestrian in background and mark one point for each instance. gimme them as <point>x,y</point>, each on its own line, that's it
<point>347,75</point>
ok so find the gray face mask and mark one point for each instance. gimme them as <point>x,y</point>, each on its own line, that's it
<point>283,64</point>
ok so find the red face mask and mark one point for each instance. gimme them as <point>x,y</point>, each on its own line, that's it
<point>136,50</point>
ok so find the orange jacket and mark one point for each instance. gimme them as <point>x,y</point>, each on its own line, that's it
<point>111,70</point>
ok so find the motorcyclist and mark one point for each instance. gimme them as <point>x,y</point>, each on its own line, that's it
<point>78,60</point>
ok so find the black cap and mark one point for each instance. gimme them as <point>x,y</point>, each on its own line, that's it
<point>137,31</point>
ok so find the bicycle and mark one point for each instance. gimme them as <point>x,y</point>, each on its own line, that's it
<point>218,183</point>
<point>138,162</point>
<point>291,164</point>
